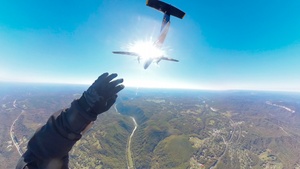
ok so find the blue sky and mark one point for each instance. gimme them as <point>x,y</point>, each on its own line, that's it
<point>220,44</point>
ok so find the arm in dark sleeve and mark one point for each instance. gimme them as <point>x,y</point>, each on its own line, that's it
<point>55,139</point>
<point>50,145</point>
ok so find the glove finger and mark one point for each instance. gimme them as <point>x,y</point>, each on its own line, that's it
<point>114,83</point>
<point>115,90</point>
<point>100,79</point>
<point>102,82</point>
<point>110,77</point>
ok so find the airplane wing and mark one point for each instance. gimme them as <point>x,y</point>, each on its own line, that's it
<point>169,59</point>
<point>126,53</point>
<point>165,8</point>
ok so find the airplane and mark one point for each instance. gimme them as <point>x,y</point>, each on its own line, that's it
<point>168,10</point>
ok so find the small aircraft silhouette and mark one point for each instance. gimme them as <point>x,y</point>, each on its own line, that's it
<point>168,10</point>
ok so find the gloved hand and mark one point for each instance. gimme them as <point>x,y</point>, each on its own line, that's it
<point>100,96</point>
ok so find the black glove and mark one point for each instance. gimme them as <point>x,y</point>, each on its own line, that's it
<point>100,96</point>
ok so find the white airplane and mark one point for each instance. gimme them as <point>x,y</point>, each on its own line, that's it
<point>156,57</point>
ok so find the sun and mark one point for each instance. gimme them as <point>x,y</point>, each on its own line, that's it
<point>146,49</point>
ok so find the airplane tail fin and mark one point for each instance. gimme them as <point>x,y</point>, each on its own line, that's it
<point>168,10</point>
<point>165,8</point>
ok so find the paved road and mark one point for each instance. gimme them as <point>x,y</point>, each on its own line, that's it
<point>226,144</point>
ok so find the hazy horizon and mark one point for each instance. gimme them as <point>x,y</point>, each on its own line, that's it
<point>86,85</point>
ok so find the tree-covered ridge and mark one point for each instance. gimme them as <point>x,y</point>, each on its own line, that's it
<point>224,129</point>
<point>104,146</point>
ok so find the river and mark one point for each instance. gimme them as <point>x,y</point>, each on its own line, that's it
<point>129,156</point>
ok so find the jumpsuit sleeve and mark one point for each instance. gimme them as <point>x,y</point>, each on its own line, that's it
<point>50,145</point>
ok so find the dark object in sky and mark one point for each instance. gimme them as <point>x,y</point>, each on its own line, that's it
<point>165,8</point>
<point>168,10</point>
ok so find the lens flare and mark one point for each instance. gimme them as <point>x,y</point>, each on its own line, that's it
<point>146,49</point>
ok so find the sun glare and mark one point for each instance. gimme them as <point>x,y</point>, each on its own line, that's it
<point>146,49</point>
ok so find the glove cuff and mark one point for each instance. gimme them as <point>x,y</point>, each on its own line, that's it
<point>87,111</point>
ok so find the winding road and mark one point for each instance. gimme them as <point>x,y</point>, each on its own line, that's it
<point>11,132</point>
<point>226,144</point>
